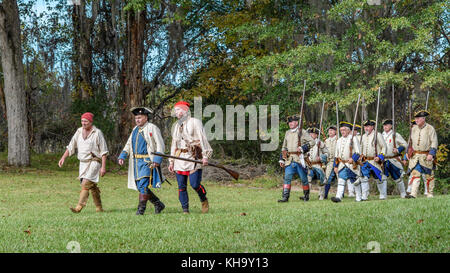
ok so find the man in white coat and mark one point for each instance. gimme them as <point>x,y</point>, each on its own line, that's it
<point>144,167</point>
<point>189,141</point>
<point>346,155</point>
<point>92,152</point>
<point>394,147</point>
<point>372,160</point>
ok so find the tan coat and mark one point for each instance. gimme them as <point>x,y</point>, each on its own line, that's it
<point>290,144</point>
<point>368,147</point>
<point>94,146</point>
<point>323,150</point>
<point>389,140</point>
<point>330,143</point>
<point>343,152</point>
<point>189,133</point>
<point>423,139</point>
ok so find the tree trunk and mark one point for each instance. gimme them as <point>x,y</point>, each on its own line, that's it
<point>132,69</point>
<point>15,97</point>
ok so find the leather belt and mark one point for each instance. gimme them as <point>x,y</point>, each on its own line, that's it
<point>421,152</point>
<point>182,150</point>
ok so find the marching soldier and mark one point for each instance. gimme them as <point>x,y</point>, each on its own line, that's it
<point>346,156</point>
<point>189,141</point>
<point>392,165</point>
<point>143,167</point>
<point>350,186</point>
<point>330,143</point>
<point>372,156</point>
<point>318,157</point>
<point>92,152</point>
<point>424,144</point>
<point>293,158</point>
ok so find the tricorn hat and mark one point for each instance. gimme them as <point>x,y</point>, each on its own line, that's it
<point>140,111</point>
<point>313,130</point>
<point>292,118</point>
<point>387,121</point>
<point>332,127</point>
<point>369,123</point>
<point>346,124</point>
<point>421,113</point>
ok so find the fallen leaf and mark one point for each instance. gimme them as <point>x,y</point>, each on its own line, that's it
<point>419,221</point>
<point>243,214</point>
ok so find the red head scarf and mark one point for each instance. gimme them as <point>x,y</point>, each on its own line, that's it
<point>88,116</point>
<point>183,105</point>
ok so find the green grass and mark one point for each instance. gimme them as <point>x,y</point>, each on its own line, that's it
<point>35,217</point>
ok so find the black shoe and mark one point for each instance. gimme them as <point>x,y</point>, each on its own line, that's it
<point>285,196</point>
<point>186,211</point>
<point>306,196</point>
<point>409,196</point>
<point>159,206</point>
<point>335,199</point>
<point>141,207</point>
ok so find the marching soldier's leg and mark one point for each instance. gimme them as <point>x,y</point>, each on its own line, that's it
<point>430,185</point>
<point>415,183</point>
<point>182,192</point>
<point>365,188</point>
<point>358,192</point>
<point>328,185</point>
<point>84,195</point>
<point>288,174</point>
<point>401,187</point>
<point>195,180</point>
<point>96,197</point>
<point>382,187</point>
<point>302,173</point>
<point>142,186</point>
<point>340,191</point>
<point>159,206</point>
<point>351,189</point>
<point>424,178</point>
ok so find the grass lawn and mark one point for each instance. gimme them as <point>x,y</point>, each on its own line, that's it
<point>35,217</point>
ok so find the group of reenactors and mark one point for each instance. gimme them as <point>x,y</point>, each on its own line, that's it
<point>353,158</point>
<point>350,159</point>
<point>144,165</point>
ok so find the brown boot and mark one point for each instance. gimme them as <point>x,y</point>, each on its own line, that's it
<point>96,198</point>
<point>84,194</point>
<point>205,206</point>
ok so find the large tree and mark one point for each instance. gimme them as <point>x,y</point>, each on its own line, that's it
<point>15,97</point>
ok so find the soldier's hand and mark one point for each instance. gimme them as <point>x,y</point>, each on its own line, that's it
<point>102,171</point>
<point>155,164</point>
<point>395,151</point>
<point>61,162</point>
<point>281,165</point>
<point>336,170</point>
<point>171,168</point>
<point>205,161</point>
<point>120,161</point>
<point>404,162</point>
<point>350,161</point>
<point>377,159</point>
<point>300,150</point>
<point>429,157</point>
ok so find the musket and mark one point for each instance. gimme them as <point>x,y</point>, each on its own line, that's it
<point>320,127</point>
<point>353,130</point>
<point>375,137</point>
<point>300,124</point>
<point>361,135</point>
<point>426,103</point>
<point>393,117</point>
<point>337,120</point>
<point>410,148</point>
<point>234,174</point>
